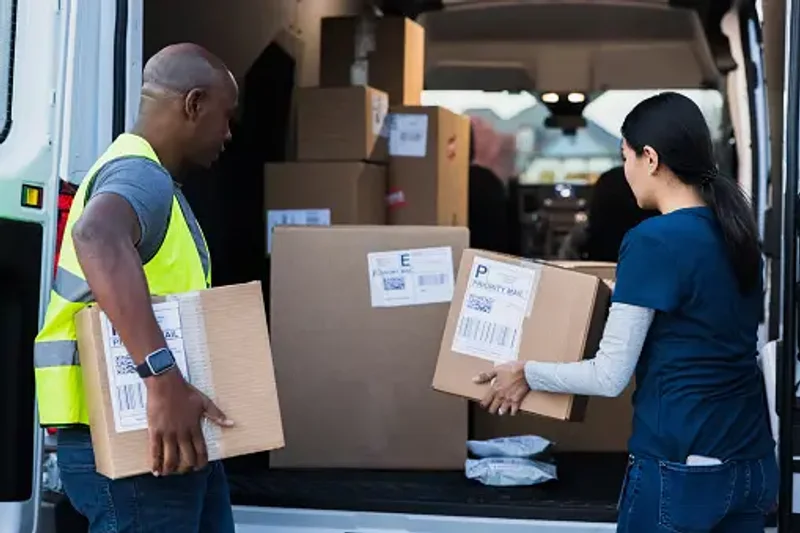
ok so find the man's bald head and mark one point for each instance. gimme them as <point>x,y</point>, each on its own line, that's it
<point>188,99</point>
<point>179,68</point>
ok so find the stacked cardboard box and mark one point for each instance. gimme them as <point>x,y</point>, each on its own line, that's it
<point>340,175</point>
<point>428,146</point>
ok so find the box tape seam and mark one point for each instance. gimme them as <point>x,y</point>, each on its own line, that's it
<point>199,362</point>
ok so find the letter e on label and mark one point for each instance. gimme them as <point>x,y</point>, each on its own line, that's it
<point>405,260</point>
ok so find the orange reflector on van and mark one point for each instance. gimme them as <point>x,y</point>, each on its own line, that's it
<point>32,196</point>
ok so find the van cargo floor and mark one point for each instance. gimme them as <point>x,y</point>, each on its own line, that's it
<point>587,490</point>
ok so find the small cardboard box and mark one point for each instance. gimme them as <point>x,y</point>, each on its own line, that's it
<point>428,167</point>
<point>508,309</point>
<point>395,58</point>
<point>321,194</point>
<point>341,124</point>
<point>357,320</point>
<point>220,340</point>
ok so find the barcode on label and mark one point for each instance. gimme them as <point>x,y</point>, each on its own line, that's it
<point>394,284</point>
<point>313,219</point>
<point>486,332</point>
<point>479,303</point>
<point>123,364</point>
<point>425,280</point>
<point>131,397</point>
<point>410,136</point>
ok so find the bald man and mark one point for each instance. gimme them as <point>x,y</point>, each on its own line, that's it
<point>132,233</point>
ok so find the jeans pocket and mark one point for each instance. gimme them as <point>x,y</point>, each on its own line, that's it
<point>625,482</point>
<point>695,498</point>
<point>768,495</point>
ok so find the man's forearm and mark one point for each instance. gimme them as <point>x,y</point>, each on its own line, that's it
<point>114,271</point>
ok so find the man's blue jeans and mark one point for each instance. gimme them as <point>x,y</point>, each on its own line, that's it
<point>191,503</point>
<point>733,497</point>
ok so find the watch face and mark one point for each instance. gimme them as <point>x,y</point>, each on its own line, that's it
<point>161,361</point>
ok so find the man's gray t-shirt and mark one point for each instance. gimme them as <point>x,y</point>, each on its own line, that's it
<point>149,190</point>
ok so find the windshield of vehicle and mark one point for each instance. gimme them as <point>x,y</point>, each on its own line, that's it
<point>550,155</point>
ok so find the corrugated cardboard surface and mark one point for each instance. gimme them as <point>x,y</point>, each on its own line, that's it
<point>239,368</point>
<point>354,379</point>
<point>341,124</point>
<point>432,189</point>
<point>601,269</point>
<point>355,192</point>
<point>564,324</point>
<point>396,65</point>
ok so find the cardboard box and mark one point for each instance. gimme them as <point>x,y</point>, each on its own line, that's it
<point>341,124</point>
<point>428,167</point>
<point>608,421</point>
<point>395,57</point>
<point>220,340</point>
<point>601,269</point>
<point>355,347</point>
<point>507,309</point>
<point>322,194</point>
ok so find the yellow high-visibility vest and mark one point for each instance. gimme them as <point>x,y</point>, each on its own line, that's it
<point>176,267</point>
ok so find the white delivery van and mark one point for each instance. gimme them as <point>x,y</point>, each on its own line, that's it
<point>70,72</point>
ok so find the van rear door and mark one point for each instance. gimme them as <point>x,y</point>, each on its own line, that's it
<point>65,90</point>
<point>29,76</point>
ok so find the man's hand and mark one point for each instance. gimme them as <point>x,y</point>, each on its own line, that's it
<point>175,411</point>
<point>508,388</point>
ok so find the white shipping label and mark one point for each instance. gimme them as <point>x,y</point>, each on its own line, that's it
<point>411,277</point>
<point>128,392</point>
<point>380,108</point>
<point>408,135</point>
<point>496,301</point>
<point>295,217</point>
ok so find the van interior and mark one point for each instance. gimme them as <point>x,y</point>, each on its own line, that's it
<point>558,75</point>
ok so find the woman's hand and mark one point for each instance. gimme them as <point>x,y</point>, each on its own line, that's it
<point>508,388</point>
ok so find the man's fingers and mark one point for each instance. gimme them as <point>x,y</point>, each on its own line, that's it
<point>172,456</point>
<point>215,414</point>
<point>156,453</point>
<point>188,456</point>
<point>201,452</point>
<point>484,377</point>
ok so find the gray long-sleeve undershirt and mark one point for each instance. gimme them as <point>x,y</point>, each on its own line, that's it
<point>612,367</point>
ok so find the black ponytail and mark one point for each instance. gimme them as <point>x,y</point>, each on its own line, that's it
<point>673,126</point>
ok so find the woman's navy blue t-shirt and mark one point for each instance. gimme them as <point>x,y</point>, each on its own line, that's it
<point>699,390</point>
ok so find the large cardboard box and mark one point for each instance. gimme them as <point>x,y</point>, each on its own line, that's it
<point>508,309</point>
<point>357,320</point>
<point>341,124</point>
<point>428,166</point>
<point>321,194</point>
<point>220,340</point>
<point>395,56</point>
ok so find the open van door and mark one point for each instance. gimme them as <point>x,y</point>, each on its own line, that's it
<point>54,68</point>
<point>787,401</point>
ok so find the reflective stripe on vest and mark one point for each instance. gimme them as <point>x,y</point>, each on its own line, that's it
<point>175,268</point>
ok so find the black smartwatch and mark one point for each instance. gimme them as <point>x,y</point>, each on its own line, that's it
<point>156,363</point>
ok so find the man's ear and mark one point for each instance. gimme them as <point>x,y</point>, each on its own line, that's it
<point>193,102</point>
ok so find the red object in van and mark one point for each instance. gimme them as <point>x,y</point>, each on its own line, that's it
<point>66,194</point>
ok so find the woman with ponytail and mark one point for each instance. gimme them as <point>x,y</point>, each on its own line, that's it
<point>684,317</point>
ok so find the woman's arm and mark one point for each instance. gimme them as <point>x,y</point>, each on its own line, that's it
<point>612,367</point>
